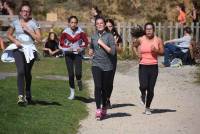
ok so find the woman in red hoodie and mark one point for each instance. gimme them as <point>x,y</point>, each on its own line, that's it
<point>73,41</point>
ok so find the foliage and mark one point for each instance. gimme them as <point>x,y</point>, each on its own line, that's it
<point>131,10</point>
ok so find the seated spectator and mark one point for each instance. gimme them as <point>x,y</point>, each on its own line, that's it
<point>177,48</point>
<point>2,45</point>
<point>51,46</point>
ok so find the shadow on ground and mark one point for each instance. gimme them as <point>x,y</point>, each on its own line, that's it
<point>83,99</point>
<point>44,103</point>
<point>158,111</point>
<point>122,105</point>
<point>114,115</point>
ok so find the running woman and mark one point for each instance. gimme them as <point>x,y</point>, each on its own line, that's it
<point>73,41</point>
<point>148,47</point>
<point>110,25</point>
<point>102,49</point>
<point>27,31</point>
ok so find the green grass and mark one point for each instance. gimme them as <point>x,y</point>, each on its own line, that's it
<point>52,113</point>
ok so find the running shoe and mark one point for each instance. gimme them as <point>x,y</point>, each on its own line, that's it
<point>20,100</point>
<point>147,111</point>
<point>98,115</point>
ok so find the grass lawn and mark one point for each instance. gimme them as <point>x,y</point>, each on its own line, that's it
<point>52,112</point>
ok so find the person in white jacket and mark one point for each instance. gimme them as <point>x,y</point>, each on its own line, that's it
<point>27,31</point>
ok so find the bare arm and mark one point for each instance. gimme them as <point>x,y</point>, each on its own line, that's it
<point>135,45</point>
<point>12,38</point>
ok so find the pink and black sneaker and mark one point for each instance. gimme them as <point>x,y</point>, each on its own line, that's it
<point>98,115</point>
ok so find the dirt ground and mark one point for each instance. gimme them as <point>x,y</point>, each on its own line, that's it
<point>176,104</point>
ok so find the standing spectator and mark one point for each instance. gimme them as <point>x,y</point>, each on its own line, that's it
<point>51,46</point>
<point>102,49</point>
<point>181,17</point>
<point>148,47</point>
<point>9,7</point>
<point>110,25</point>
<point>1,7</point>
<point>194,13</point>
<point>96,13</point>
<point>26,31</point>
<point>73,41</point>
<point>182,14</point>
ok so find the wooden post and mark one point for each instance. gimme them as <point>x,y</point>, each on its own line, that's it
<point>176,30</point>
<point>164,32</point>
<point>119,27</point>
<point>197,32</point>
<point>129,35</point>
<point>170,30</point>
<point>124,35</point>
<point>155,28</point>
<point>159,30</point>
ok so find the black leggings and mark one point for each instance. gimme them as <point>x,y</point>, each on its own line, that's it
<point>147,78</point>
<point>71,61</point>
<point>102,80</point>
<point>23,73</point>
<point>114,63</point>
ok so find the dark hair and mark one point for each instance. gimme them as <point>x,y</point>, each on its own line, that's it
<point>25,3</point>
<point>10,4</point>
<point>182,6</point>
<point>72,17</point>
<point>97,10</point>
<point>149,23</point>
<point>100,17</point>
<point>137,31</point>
<point>187,30</point>
<point>55,36</point>
<point>114,30</point>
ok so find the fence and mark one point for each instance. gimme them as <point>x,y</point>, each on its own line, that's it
<point>165,31</point>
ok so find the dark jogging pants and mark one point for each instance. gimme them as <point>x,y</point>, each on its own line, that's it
<point>73,61</point>
<point>147,79</point>
<point>102,80</point>
<point>24,76</point>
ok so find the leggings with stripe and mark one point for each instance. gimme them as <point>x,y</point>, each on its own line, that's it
<point>73,61</point>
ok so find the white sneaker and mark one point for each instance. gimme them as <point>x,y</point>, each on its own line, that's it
<point>147,111</point>
<point>71,97</point>
<point>20,100</point>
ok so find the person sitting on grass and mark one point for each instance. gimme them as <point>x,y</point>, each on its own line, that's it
<point>178,46</point>
<point>51,46</point>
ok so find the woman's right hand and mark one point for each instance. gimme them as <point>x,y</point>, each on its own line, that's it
<point>18,44</point>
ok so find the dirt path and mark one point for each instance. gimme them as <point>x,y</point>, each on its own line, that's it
<point>176,104</point>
